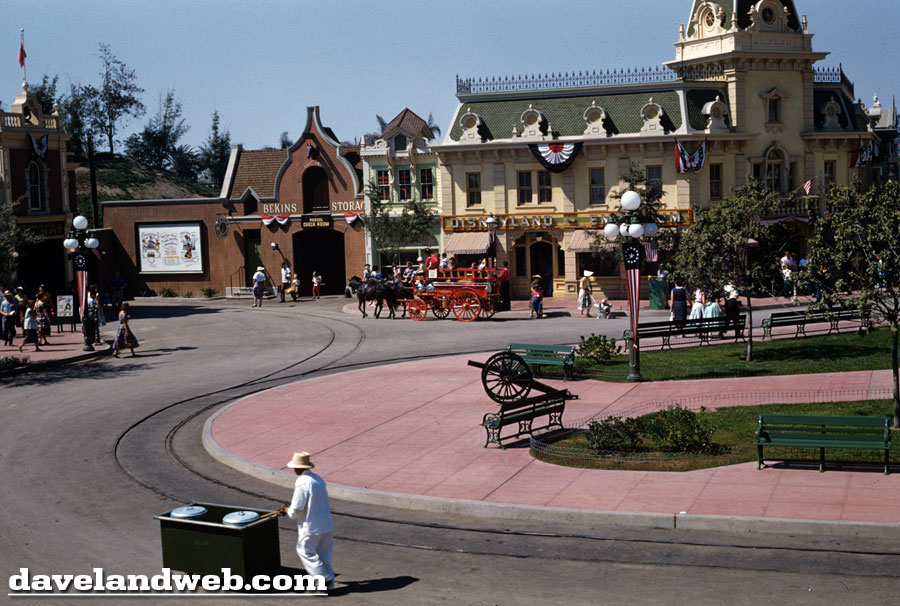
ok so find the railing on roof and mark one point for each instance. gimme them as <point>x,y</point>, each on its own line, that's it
<point>648,75</point>
<point>833,75</point>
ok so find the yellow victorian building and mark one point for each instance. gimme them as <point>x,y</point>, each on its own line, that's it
<point>545,154</point>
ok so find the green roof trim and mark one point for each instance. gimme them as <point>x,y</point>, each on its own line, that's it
<point>566,114</point>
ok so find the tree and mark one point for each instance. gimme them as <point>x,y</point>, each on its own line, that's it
<point>285,141</point>
<point>857,249</point>
<point>215,152</point>
<point>156,143</point>
<point>433,125</point>
<point>392,231</point>
<point>13,237</point>
<point>184,161</point>
<point>46,93</point>
<point>728,245</point>
<point>117,97</point>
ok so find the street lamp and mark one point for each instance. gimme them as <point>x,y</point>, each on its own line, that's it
<point>79,242</point>
<point>632,227</point>
<point>492,234</point>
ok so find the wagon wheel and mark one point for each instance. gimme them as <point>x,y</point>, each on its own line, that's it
<point>506,377</point>
<point>488,310</point>
<point>440,312</point>
<point>466,306</point>
<point>417,309</point>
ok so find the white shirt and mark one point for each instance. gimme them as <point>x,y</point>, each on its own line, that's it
<point>259,277</point>
<point>285,275</point>
<point>309,505</point>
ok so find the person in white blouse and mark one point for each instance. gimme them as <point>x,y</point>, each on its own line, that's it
<point>315,528</point>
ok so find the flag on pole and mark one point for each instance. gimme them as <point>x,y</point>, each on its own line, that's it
<point>651,251</point>
<point>807,187</point>
<point>631,252</point>
<point>22,54</point>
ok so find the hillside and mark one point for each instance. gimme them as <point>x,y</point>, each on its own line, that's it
<point>121,178</point>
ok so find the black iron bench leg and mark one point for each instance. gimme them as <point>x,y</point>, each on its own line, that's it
<point>821,460</point>
<point>886,461</point>
<point>759,457</point>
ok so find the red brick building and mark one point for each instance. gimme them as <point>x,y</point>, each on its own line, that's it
<point>36,180</point>
<point>298,205</point>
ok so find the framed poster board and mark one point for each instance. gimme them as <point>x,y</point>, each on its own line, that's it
<point>169,248</point>
<point>65,306</point>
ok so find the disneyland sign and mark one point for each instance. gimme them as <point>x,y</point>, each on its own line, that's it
<point>574,220</point>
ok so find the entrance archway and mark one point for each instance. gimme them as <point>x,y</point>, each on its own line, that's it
<point>322,251</point>
<point>542,264</point>
<point>315,191</point>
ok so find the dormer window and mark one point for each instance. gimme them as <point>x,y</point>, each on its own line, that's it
<point>400,143</point>
<point>774,104</point>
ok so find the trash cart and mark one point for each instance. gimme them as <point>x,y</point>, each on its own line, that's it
<point>204,538</point>
<point>657,293</point>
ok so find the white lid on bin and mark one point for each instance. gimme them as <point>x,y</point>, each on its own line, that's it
<point>240,518</point>
<point>189,511</point>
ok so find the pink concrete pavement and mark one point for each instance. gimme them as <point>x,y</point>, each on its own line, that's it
<point>62,346</point>
<point>395,429</point>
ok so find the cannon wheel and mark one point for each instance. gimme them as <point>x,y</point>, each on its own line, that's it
<point>417,309</point>
<point>466,305</point>
<point>506,377</point>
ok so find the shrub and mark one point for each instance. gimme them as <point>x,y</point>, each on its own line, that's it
<point>209,292</point>
<point>166,292</point>
<point>598,348</point>
<point>188,294</point>
<point>678,429</point>
<point>614,433</point>
<point>8,362</point>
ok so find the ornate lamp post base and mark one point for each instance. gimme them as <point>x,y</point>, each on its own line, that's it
<point>634,362</point>
<point>87,331</point>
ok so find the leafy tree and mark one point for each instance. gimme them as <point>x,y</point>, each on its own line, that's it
<point>79,106</point>
<point>857,249</point>
<point>727,245</point>
<point>285,141</point>
<point>13,237</point>
<point>214,153</point>
<point>156,143</point>
<point>46,93</point>
<point>117,97</point>
<point>393,231</point>
<point>184,161</point>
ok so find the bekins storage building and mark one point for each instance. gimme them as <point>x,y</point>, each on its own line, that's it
<point>299,205</point>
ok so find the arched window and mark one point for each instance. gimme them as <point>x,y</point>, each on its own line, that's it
<point>315,191</point>
<point>775,170</point>
<point>37,193</point>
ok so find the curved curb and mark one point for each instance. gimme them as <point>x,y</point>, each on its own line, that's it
<point>535,513</point>
<point>45,364</point>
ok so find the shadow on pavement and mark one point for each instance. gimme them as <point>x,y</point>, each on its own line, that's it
<point>374,585</point>
<point>91,371</point>
<point>156,312</point>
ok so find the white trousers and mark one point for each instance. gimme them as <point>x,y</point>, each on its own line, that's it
<point>315,554</point>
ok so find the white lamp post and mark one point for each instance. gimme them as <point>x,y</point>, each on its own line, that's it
<point>81,240</point>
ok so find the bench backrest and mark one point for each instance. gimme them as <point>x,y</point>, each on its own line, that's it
<point>875,425</point>
<point>656,327</point>
<point>536,401</point>
<point>538,349</point>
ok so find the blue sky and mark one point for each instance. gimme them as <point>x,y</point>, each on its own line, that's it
<point>261,62</point>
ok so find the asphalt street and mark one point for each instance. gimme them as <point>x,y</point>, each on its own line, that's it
<point>92,451</point>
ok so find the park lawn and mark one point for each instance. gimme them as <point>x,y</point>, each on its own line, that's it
<point>832,353</point>
<point>734,434</point>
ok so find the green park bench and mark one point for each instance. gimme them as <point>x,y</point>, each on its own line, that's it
<point>546,355</point>
<point>800,320</point>
<point>808,431</point>
<point>524,412</point>
<point>701,327</point>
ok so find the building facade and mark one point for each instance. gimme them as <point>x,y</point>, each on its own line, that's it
<point>299,205</point>
<point>35,178</point>
<point>743,98</point>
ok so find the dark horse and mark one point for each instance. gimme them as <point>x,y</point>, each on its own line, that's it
<point>380,291</point>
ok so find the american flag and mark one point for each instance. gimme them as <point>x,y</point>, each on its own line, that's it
<point>807,187</point>
<point>651,252</point>
<point>632,255</point>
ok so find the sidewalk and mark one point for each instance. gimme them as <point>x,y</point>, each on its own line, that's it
<point>423,441</point>
<point>64,347</point>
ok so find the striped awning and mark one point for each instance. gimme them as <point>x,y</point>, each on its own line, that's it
<point>582,240</point>
<point>468,243</point>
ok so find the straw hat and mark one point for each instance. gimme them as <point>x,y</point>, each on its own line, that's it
<point>8,293</point>
<point>260,268</point>
<point>588,273</point>
<point>536,277</point>
<point>733,295</point>
<point>300,461</point>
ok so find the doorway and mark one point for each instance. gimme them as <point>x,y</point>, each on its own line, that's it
<point>542,264</point>
<point>252,254</point>
<point>320,251</point>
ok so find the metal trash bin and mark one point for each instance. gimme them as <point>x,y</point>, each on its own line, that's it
<point>657,293</point>
<point>201,543</point>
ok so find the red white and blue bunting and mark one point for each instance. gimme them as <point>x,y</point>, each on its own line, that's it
<point>267,219</point>
<point>866,152</point>
<point>685,161</point>
<point>555,157</point>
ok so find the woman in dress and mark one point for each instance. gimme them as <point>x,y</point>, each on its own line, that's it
<point>124,336</point>
<point>259,286</point>
<point>698,305</point>
<point>679,302</point>
<point>30,325</point>
<point>43,319</point>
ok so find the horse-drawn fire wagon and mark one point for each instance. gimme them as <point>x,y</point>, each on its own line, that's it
<point>468,293</point>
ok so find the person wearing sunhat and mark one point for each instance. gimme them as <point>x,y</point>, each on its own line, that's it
<point>315,528</point>
<point>259,286</point>
<point>584,294</point>
<point>537,296</point>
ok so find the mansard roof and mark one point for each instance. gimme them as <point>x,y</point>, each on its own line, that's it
<point>742,9</point>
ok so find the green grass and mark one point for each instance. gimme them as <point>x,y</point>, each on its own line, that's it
<point>834,353</point>
<point>735,430</point>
